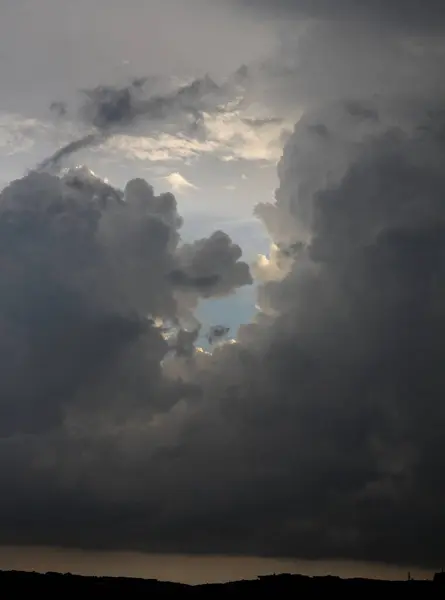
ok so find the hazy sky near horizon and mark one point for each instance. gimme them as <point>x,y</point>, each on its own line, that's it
<point>303,143</point>
<point>188,568</point>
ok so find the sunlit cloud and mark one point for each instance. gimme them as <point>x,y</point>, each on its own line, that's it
<point>238,138</point>
<point>165,147</point>
<point>18,133</point>
<point>179,183</point>
<point>226,135</point>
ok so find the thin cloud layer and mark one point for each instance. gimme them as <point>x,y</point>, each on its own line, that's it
<point>194,118</point>
<point>108,108</point>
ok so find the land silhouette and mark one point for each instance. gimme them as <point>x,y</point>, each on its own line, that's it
<point>280,584</point>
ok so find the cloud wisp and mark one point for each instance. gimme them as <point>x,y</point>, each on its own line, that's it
<point>195,118</point>
<point>106,108</point>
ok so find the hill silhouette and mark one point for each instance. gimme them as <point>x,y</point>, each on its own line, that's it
<point>282,584</point>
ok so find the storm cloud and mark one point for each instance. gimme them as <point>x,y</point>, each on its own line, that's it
<point>85,270</point>
<point>411,15</point>
<point>318,433</point>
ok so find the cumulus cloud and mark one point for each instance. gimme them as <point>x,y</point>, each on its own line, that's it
<point>84,269</point>
<point>333,396</point>
<point>347,50</point>
<point>319,432</point>
<point>354,343</point>
<point>215,256</point>
<point>217,332</point>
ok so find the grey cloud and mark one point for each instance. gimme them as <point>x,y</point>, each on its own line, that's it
<point>213,264</point>
<point>108,106</point>
<point>59,108</point>
<point>329,439</point>
<point>217,332</point>
<point>83,267</point>
<point>60,309</point>
<point>54,161</point>
<point>409,14</point>
<point>319,129</point>
<point>184,342</point>
<point>343,55</point>
<point>258,123</point>
<point>361,111</point>
<point>59,47</point>
<point>109,109</point>
<point>319,433</point>
<point>182,279</point>
<point>352,359</point>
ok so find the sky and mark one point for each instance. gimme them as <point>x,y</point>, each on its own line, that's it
<point>222,279</point>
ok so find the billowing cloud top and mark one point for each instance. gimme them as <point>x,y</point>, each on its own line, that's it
<point>319,433</point>
<point>84,269</point>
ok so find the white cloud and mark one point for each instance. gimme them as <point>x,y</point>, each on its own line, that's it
<point>179,183</point>
<point>228,135</point>
<point>165,147</point>
<point>239,139</point>
<point>17,133</point>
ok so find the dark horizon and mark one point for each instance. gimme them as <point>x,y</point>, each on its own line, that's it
<point>272,583</point>
<point>191,569</point>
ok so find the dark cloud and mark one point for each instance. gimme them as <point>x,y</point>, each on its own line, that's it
<point>58,108</point>
<point>359,52</point>
<point>334,404</point>
<point>217,332</point>
<point>183,342</point>
<point>83,266</point>
<point>182,279</point>
<point>108,106</point>
<point>411,14</point>
<point>318,434</point>
<point>54,161</point>
<point>213,264</point>
<point>361,111</point>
